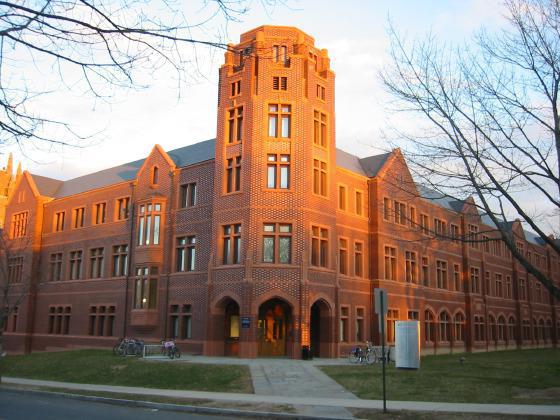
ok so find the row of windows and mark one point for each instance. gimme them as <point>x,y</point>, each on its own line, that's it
<point>343,200</point>
<point>96,266</point>
<point>99,214</point>
<point>278,83</point>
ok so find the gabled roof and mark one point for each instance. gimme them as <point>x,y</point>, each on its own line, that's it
<point>440,199</point>
<point>373,164</point>
<point>47,187</point>
<point>349,161</point>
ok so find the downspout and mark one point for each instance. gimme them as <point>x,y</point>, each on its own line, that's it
<point>129,262</point>
<point>170,226</point>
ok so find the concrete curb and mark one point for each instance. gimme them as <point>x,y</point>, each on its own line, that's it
<point>184,408</point>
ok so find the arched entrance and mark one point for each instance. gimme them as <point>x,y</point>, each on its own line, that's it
<point>231,328</point>
<point>274,328</point>
<point>320,328</point>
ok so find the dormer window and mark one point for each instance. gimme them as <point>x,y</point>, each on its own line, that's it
<point>155,175</point>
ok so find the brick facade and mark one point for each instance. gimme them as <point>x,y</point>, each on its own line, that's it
<point>268,238</point>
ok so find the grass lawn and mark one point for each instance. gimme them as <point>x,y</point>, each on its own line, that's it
<point>102,367</point>
<point>518,377</point>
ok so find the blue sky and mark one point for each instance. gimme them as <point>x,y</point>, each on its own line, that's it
<point>354,32</point>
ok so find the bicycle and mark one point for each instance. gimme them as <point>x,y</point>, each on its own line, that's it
<point>129,347</point>
<point>363,356</point>
<point>170,349</point>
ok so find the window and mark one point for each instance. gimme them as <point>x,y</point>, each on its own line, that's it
<point>400,213</point>
<point>460,325</point>
<point>145,288</point>
<point>486,243</point>
<point>498,285</point>
<point>411,267</point>
<point>413,222</point>
<point>280,54</point>
<point>236,88</point>
<point>56,266</point>
<point>491,328</point>
<point>360,324</point>
<point>99,210</point>
<point>387,209</point>
<point>479,328</point>
<point>512,336</point>
<point>320,129</point>
<point>359,259</point>
<point>343,256</point>
<point>188,195</point>
<point>320,92</point>
<point>413,315</point>
<point>441,274</point>
<point>522,290</point>
<point>59,221</point>
<point>19,225</point>
<point>457,277</point>
<point>235,125</point>
<point>440,227</point>
<point>526,329</point>
<point>425,272</point>
<point>278,171</point>
<point>473,235</point>
<point>123,208</point>
<point>391,318</point>
<point>78,217</point>
<point>429,328</point>
<point>279,83</point>
<point>101,320</point>
<point>149,221</point>
<point>455,233</point>
<point>186,253</point>
<point>444,328</point>
<point>231,244</point>
<point>14,320</point>
<point>155,175</point>
<point>319,177</point>
<point>425,224</point>
<point>487,287</point>
<point>475,280</point>
<point>341,197</point>
<point>180,325</point>
<point>15,270</point>
<point>390,263</point>
<point>59,319</point>
<point>501,328</point>
<point>120,260</point>
<point>508,294</point>
<point>319,246</point>
<point>344,313</point>
<point>279,120</point>
<point>75,265</point>
<point>359,203</point>
<point>277,243</point>
<point>233,174</point>
<point>96,263</point>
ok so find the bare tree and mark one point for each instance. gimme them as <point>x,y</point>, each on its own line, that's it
<point>492,125</point>
<point>92,47</point>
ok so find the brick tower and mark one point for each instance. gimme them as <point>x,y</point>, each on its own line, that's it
<point>275,157</point>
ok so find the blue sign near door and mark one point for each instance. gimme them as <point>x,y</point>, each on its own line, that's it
<point>245,322</point>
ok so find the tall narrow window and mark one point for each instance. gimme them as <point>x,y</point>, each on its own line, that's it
<point>145,288</point>
<point>78,217</point>
<point>149,221</point>
<point>390,263</point>
<point>499,286</point>
<point>280,54</point>
<point>320,129</point>
<point>425,224</point>
<point>233,174</point>
<point>15,269</point>
<point>411,267</point>
<point>400,213</point>
<point>180,317</point>
<point>425,272</point>
<point>59,221</point>
<point>391,319</point>
<point>440,227</point>
<point>120,260</point>
<point>279,120</point>
<point>96,263</point>
<point>99,213</point>
<point>454,232</point>
<point>188,195</point>
<point>444,327</point>
<point>186,253</point>
<point>279,83</point>
<point>413,222</point>
<point>19,225</point>
<point>475,280</point>
<point>319,177</point>
<point>341,197</point>
<point>75,265</point>
<point>473,236</point>
<point>457,277</point>
<point>359,203</point>
<point>278,171</point>
<point>56,266</point>
<point>231,244</point>
<point>277,243</point>
<point>235,124</point>
<point>429,327</point>
<point>359,259</point>
<point>319,246</point>
<point>344,314</point>
<point>459,323</point>
<point>360,324</point>
<point>320,92</point>
<point>343,256</point>
<point>123,208</point>
<point>236,88</point>
<point>155,175</point>
<point>441,274</point>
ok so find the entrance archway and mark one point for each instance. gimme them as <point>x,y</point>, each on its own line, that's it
<point>231,328</point>
<point>274,328</point>
<point>320,328</point>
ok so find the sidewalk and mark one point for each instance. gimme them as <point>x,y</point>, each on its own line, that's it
<point>347,402</point>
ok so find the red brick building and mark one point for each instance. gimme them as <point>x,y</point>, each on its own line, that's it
<point>267,238</point>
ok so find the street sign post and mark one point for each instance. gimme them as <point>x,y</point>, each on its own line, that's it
<point>381,310</point>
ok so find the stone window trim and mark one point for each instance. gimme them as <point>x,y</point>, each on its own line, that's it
<point>359,203</point>
<point>180,320</point>
<point>320,178</point>
<point>342,195</point>
<point>343,255</point>
<point>78,217</point>
<point>188,194</point>
<point>19,225</point>
<point>277,237</point>
<point>99,213</point>
<point>231,243</point>
<point>58,221</point>
<point>122,208</point>
<point>234,125</point>
<point>344,323</point>
<point>185,253</point>
<point>75,264</point>
<point>150,223</point>
<point>279,120</point>
<point>232,175</point>
<point>235,88</point>
<point>320,129</point>
<point>359,260</point>
<point>320,246</point>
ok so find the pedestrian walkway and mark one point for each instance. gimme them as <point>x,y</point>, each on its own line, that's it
<point>304,400</point>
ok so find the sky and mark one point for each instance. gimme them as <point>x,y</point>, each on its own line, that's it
<point>354,32</point>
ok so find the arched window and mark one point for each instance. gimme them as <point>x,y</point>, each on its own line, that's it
<point>479,328</point>
<point>541,330</point>
<point>511,329</point>
<point>535,330</point>
<point>444,329</point>
<point>501,328</point>
<point>548,331</point>
<point>155,175</point>
<point>429,327</point>
<point>459,323</point>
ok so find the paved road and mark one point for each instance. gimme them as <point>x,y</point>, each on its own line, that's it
<point>21,406</point>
